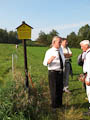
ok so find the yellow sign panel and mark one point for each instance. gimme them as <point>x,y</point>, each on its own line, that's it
<point>24,32</point>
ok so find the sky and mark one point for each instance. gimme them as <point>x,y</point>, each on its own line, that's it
<point>65,16</point>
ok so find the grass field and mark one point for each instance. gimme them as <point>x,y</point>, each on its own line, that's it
<point>16,104</point>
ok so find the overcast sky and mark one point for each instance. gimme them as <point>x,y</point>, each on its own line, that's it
<point>65,16</point>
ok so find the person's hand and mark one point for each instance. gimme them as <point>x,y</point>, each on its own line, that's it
<point>87,83</point>
<point>82,78</point>
<point>67,55</point>
<point>51,59</point>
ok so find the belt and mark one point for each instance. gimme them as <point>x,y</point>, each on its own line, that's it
<point>56,70</point>
<point>68,60</point>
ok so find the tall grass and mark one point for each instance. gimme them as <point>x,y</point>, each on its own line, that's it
<point>19,103</point>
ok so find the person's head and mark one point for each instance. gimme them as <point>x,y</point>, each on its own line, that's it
<point>56,41</point>
<point>85,44</point>
<point>64,42</point>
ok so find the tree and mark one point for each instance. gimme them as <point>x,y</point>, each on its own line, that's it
<point>84,32</point>
<point>3,36</point>
<point>51,35</point>
<point>12,37</point>
<point>72,40</point>
<point>42,39</point>
<point>8,37</point>
<point>45,39</point>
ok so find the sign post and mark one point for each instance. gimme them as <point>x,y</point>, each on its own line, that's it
<point>24,33</point>
<point>25,63</point>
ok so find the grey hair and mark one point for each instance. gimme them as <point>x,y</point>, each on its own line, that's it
<point>54,39</point>
<point>85,42</point>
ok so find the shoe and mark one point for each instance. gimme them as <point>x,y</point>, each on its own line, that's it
<point>86,113</point>
<point>65,88</point>
<point>67,91</point>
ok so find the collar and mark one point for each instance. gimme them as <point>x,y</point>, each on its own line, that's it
<point>62,46</point>
<point>88,50</point>
<point>55,48</point>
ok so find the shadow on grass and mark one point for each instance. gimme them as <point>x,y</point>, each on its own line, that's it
<point>78,90</point>
<point>7,71</point>
<point>75,89</point>
<point>74,80</point>
<point>79,105</point>
<point>1,83</point>
<point>76,74</point>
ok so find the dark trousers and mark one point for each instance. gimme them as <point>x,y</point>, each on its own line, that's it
<point>84,86</point>
<point>56,88</point>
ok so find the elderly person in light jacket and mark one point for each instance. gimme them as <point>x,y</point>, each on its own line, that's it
<point>85,46</point>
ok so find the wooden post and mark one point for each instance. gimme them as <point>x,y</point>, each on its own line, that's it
<point>12,63</point>
<point>25,63</point>
<point>24,33</point>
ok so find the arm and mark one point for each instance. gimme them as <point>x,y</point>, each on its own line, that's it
<point>48,58</point>
<point>67,55</point>
<point>51,59</point>
<point>87,81</point>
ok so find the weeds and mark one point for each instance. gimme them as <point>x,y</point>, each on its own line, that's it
<point>19,103</point>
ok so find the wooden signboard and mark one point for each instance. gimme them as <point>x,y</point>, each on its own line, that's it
<point>24,31</point>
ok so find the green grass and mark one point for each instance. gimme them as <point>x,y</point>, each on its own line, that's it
<point>38,107</point>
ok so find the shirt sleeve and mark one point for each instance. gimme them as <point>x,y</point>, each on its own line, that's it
<point>88,67</point>
<point>47,56</point>
<point>70,52</point>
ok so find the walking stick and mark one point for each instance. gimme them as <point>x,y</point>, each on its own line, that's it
<point>30,79</point>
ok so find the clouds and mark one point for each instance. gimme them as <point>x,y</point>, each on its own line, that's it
<point>63,29</point>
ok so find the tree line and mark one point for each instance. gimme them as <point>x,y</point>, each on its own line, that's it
<point>45,39</point>
<point>8,37</point>
<point>73,38</point>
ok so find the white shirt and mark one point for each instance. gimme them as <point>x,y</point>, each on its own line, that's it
<point>66,50</point>
<point>86,65</point>
<point>55,64</point>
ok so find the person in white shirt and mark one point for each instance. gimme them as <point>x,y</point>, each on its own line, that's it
<point>54,60</point>
<point>68,68</point>
<point>85,46</point>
